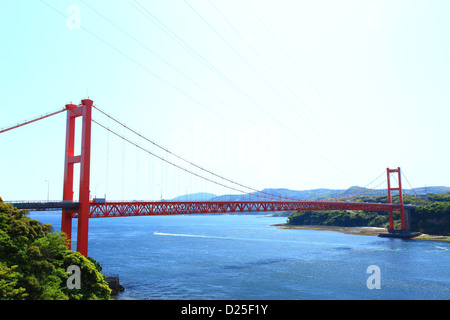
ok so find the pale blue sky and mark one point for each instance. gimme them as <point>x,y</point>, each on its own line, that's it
<point>289,94</point>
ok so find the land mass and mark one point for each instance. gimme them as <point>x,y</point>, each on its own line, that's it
<point>364,231</point>
<point>429,216</point>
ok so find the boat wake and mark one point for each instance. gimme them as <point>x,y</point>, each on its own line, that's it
<point>187,235</point>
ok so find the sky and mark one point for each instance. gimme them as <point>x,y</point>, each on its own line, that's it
<point>269,94</point>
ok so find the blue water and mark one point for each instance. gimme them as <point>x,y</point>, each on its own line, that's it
<point>233,257</point>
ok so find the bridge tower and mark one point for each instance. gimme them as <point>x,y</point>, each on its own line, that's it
<point>84,110</point>
<point>400,195</point>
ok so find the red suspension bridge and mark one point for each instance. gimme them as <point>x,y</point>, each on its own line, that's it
<point>84,208</point>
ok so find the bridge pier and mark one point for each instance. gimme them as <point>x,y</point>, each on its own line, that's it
<point>405,233</point>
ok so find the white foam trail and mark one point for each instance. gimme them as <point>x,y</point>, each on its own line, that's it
<point>206,237</point>
<point>313,244</point>
<point>187,235</point>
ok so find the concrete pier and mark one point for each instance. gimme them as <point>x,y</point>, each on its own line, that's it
<point>402,234</point>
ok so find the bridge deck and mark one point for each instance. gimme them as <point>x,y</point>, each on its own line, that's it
<point>121,209</point>
<point>125,209</point>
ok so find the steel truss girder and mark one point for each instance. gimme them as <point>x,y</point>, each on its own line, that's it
<point>155,208</point>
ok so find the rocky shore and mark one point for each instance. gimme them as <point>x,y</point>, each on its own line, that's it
<point>364,231</point>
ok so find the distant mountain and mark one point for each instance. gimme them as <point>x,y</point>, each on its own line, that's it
<point>312,194</point>
<point>426,190</point>
<point>200,196</point>
<point>281,193</point>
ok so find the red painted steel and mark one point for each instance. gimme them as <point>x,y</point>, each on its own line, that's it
<point>84,209</point>
<point>66,220</point>
<point>73,111</point>
<point>154,208</point>
<point>400,193</point>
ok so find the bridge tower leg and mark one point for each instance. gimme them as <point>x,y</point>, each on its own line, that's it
<point>400,194</point>
<point>85,111</point>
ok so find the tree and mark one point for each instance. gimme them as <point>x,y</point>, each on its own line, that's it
<point>8,284</point>
<point>34,260</point>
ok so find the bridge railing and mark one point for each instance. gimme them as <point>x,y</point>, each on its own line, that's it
<point>45,205</point>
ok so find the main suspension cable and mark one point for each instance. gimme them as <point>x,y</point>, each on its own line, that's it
<point>271,196</point>
<point>179,167</point>
<point>31,121</point>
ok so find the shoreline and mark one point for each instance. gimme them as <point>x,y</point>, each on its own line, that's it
<point>363,231</point>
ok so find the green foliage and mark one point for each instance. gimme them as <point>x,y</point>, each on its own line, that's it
<point>9,290</point>
<point>337,218</point>
<point>407,199</point>
<point>439,197</point>
<point>34,260</point>
<point>433,218</point>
